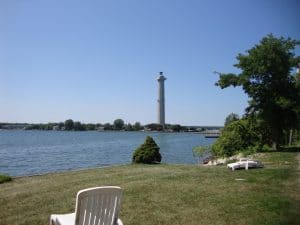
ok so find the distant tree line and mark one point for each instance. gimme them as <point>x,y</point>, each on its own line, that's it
<point>70,125</point>
<point>117,125</point>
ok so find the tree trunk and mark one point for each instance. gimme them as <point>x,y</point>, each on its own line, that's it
<point>274,146</point>
<point>275,138</point>
<point>290,137</point>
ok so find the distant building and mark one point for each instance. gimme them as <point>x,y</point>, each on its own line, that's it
<point>101,128</point>
<point>56,127</point>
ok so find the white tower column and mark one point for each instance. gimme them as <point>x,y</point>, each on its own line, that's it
<point>161,99</point>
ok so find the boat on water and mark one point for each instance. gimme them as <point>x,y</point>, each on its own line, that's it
<point>212,135</point>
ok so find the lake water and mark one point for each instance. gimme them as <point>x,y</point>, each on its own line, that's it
<point>39,152</point>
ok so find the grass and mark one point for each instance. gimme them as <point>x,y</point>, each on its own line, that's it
<point>166,194</point>
<point>4,178</point>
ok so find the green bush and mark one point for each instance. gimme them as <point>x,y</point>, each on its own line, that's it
<point>4,178</point>
<point>238,136</point>
<point>147,153</point>
<point>203,153</point>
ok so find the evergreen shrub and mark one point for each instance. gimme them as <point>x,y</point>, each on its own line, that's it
<point>147,153</point>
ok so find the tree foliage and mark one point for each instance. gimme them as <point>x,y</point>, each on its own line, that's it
<point>238,136</point>
<point>90,126</point>
<point>108,126</point>
<point>128,127</point>
<point>78,126</point>
<point>231,118</point>
<point>202,152</point>
<point>147,153</point>
<point>137,126</point>
<point>266,77</point>
<point>69,124</point>
<point>119,124</point>
<point>176,128</point>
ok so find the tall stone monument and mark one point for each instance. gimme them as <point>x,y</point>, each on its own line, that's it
<point>161,99</point>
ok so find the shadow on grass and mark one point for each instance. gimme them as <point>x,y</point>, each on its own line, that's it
<point>289,149</point>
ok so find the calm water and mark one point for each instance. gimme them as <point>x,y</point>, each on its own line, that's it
<point>38,152</point>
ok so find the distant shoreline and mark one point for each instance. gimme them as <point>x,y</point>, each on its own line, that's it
<point>77,126</point>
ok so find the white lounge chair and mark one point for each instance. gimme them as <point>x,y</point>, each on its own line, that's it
<point>245,163</point>
<point>94,206</point>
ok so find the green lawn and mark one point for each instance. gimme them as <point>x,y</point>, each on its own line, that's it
<point>166,194</point>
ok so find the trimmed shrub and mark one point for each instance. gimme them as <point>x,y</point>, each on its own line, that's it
<point>147,153</point>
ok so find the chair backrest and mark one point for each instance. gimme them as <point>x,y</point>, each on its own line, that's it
<point>98,206</point>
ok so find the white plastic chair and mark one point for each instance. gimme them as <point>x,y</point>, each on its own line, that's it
<point>94,206</point>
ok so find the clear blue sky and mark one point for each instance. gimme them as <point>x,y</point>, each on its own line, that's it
<point>96,61</point>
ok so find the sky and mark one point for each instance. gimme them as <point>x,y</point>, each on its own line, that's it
<point>96,61</point>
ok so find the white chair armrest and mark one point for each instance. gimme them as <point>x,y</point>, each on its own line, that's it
<point>119,222</point>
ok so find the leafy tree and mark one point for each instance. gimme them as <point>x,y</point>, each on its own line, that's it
<point>69,124</point>
<point>107,126</point>
<point>298,89</point>
<point>78,126</point>
<point>49,126</point>
<point>32,127</point>
<point>91,126</point>
<point>231,118</point>
<point>147,153</point>
<point>266,78</point>
<point>119,124</point>
<point>176,128</point>
<point>43,126</point>
<point>61,125</point>
<point>202,152</point>
<point>137,126</point>
<point>129,127</point>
